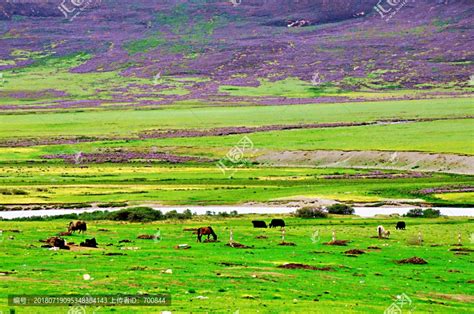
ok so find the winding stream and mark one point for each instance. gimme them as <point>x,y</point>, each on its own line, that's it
<point>201,210</point>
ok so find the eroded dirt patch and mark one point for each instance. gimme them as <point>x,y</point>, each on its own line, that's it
<point>462,249</point>
<point>238,245</point>
<point>287,244</point>
<point>412,260</point>
<point>337,242</point>
<point>146,237</point>
<point>354,252</point>
<point>452,297</point>
<point>390,160</point>
<point>304,266</point>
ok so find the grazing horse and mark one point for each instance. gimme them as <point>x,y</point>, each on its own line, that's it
<point>382,232</point>
<point>77,226</point>
<point>206,231</point>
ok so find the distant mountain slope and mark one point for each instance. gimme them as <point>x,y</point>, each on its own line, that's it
<point>219,52</point>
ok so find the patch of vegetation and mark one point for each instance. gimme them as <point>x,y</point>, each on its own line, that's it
<point>311,212</point>
<point>427,213</point>
<point>260,278</point>
<point>143,45</point>
<point>340,209</point>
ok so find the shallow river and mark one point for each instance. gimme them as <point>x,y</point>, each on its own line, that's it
<point>200,210</point>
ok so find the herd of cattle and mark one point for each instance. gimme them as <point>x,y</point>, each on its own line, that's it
<point>81,226</point>
<point>273,223</point>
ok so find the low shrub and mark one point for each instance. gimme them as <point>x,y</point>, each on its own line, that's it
<point>310,212</point>
<point>416,213</point>
<point>110,205</point>
<point>340,209</point>
<point>419,213</point>
<point>431,213</point>
<point>136,214</point>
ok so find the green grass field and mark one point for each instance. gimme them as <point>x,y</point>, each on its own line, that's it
<point>187,184</point>
<point>194,115</point>
<point>25,169</point>
<point>244,280</point>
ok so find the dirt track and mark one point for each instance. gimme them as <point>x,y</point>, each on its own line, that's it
<point>448,163</point>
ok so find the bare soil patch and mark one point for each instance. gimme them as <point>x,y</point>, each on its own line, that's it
<point>230,264</point>
<point>391,160</point>
<point>452,297</point>
<point>238,245</point>
<point>287,244</point>
<point>462,249</point>
<point>77,248</point>
<point>354,252</point>
<point>337,242</point>
<point>412,260</point>
<point>146,237</point>
<point>304,266</point>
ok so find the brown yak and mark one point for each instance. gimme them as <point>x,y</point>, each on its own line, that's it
<point>77,226</point>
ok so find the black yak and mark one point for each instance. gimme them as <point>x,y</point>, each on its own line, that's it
<point>401,225</point>
<point>89,243</point>
<point>259,224</point>
<point>77,226</point>
<point>277,223</point>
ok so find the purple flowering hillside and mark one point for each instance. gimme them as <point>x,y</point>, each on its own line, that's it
<point>153,53</point>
